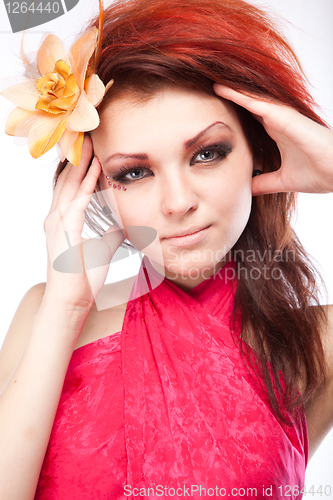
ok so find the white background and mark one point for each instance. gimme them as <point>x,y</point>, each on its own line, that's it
<point>26,183</point>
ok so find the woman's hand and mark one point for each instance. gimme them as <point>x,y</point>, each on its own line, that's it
<point>77,267</point>
<point>306,147</point>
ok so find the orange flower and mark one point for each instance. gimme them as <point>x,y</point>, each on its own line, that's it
<point>60,106</point>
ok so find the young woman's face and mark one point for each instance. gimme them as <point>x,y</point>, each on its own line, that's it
<point>187,168</point>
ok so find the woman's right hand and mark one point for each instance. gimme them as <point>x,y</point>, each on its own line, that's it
<point>77,267</point>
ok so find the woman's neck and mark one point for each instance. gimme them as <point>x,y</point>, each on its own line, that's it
<point>186,283</point>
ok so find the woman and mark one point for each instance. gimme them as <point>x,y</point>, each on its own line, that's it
<point>203,393</point>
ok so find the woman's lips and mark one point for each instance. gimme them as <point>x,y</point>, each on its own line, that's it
<point>188,239</point>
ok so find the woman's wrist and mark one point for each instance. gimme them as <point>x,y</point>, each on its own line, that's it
<point>67,318</point>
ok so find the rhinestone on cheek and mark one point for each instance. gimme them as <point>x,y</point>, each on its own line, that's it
<point>115,186</point>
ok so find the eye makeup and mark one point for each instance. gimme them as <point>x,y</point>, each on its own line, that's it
<point>120,176</point>
<point>220,149</point>
<point>205,154</point>
<point>115,186</point>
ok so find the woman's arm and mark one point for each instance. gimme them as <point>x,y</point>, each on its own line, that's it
<point>45,330</point>
<point>29,399</point>
<point>306,147</point>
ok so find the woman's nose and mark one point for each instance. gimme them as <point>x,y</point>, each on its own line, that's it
<point>178,196</point>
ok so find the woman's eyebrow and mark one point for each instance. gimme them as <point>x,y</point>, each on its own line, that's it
<point>187,145</point>
<point>124,156</point>
<point>195,139</point>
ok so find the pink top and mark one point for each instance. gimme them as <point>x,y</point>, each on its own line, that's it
<point>167,408</point>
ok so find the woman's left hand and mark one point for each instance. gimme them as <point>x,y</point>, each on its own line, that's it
<point>306,147</point>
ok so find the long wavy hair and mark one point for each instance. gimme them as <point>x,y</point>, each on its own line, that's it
<point>148,44</point>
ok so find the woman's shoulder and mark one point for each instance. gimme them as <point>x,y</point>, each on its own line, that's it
<point>19,330</point>
<point>105,318</point>
<point>102,323</point>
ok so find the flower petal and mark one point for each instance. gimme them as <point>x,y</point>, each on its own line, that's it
<point>43,130</point>
<point>49,53</point>
<point>84,117</point>
<point>62,68</point>
<point>43,103</point>
<point>80,54</point>
<point>46,82</point>
<point>61,105</point>
<point>66,142</point>
<point>15,117</point>
<point>47,136</point>
<point>95,89</point>
<point>75,153</point>
<point>24,95</point>
<point>71,87</point>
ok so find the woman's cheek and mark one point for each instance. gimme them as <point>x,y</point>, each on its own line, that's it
<point>135,213</point>
<point>146,238</point>
<point>236,208</point>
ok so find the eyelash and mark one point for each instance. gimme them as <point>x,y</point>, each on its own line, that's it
<point>222,149</point>
<point>120,176</point>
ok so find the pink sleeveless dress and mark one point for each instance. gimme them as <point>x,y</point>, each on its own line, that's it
<point>166,408</point>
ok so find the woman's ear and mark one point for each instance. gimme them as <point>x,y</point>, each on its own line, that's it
<point>257,167</point>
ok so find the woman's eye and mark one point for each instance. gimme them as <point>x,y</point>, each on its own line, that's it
<point>131,174</point>
<point>208,154</point>
<point>135,174</point>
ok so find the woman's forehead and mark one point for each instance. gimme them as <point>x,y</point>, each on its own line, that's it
<point>171,111</point>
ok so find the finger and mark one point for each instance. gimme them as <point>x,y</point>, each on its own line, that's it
<point>74,209</point>
<point>64,225</point>
<point>71,177</point>
<point>60,182</point>
<point>254,104</point>
<point>88,185</point>
<point>268,183</point>
<point>76,174</point>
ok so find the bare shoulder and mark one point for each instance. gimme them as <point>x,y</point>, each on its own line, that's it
<point>319,410</point>
<point>19,330</point>
<point>104,319</point>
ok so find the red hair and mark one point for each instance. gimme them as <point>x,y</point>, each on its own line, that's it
<point>230,42</point>
<point>148,44</point>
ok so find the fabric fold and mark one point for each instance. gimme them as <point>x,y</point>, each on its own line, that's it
<point>193,415</point>
<point>166,408</point>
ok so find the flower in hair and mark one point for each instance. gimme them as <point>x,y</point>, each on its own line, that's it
<point>59,104</point>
